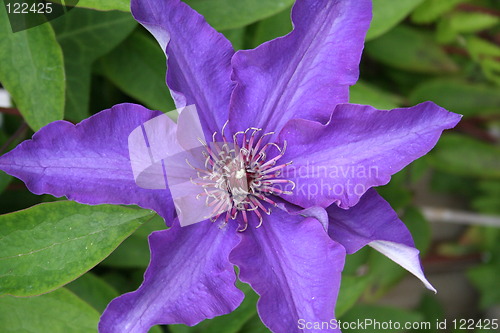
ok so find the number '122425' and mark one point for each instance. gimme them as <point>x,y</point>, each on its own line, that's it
<point>26,8</point>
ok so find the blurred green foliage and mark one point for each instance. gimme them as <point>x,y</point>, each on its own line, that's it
<point>447,51</point>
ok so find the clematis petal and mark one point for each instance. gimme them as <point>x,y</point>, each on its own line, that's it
<point>295,268</point>
<point>189,279</point>
<point>360,147</point>
<point>199,58</point>
<point>148,145</point>
<point>373,222</point>
<point>88,162</point>
<point>405,256</point>
<point>371,219</point>
<point>160,145</point>
<point>304,74</point>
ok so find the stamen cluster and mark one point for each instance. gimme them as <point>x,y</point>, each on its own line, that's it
<point>238,178</point>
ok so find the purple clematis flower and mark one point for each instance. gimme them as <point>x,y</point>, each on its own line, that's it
<point>308,163</point>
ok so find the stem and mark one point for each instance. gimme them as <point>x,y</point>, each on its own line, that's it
<point>473,129</point>
<point>446,215</point>
<point>485,117</point>
<point>11,111</point>
<point>19,132</point>
<point>466,7</point>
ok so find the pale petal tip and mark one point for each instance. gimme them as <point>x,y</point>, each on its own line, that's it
<point>406,256</point>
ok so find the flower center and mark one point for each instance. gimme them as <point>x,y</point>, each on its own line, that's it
<point>238,177</point>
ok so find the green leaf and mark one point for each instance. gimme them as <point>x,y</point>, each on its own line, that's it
<point>418,169</point>
<point>94,290</point>
<point>134,251</point>
<point>463,22</point>
<point>462,155</point>
<point>5,180</point>
<point>236,37</point>
<point>366,94</point>
<point>387,14</point>
<point>487,54</point>
<point>97,292</point>
<point>32,71</point>
<point>452,184</point>
<point>254,325</point>
<point>138,67</point>
<point>380,314</point>
<point>84,36</point>
<point>155,329</point>
<point>57,312</point>
<point>479,48</point>
<point>491,69</point>
<point>354,262</point>
<point>431,10</point>
<point>432,311</point>
<point>384,274</point>
<point>230,323</point>
<point>485,279</point>
<point>11,201</point>
<point>272,27</point>
<point>468,22</point>
<point>489,239</point>
<point>230,14</point>
<point>397,192</point>
<point>351,289</point>
<point>51,244</point>
<point>488,201</point>
<point>412,50</point>
<point>123,5</point>
<point>221,14</point>
<point>419,228</point>
<point>458,96</point>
